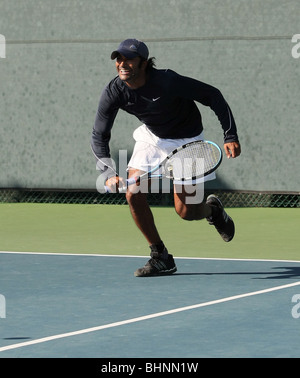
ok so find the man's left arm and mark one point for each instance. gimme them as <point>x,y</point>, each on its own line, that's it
<point>215,100</point>
<point>210,96</point>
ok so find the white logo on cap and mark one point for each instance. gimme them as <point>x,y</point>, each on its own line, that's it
<point>133,47</point>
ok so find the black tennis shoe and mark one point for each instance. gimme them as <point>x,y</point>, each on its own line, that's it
<point>220,219</point>
<point>157,267</point>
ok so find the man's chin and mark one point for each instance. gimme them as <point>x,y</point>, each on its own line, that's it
<point>123,77</point>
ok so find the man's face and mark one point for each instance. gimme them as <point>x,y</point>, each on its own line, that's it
<point>132,71</point>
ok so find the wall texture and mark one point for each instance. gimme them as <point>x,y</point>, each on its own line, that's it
<point>58,61</point>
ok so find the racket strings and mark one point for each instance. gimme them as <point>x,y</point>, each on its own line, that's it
<point>192,161</point>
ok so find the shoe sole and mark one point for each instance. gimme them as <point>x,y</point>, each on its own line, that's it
<point>162,273</point>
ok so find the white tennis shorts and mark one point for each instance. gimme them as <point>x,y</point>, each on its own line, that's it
<point>150,150</point>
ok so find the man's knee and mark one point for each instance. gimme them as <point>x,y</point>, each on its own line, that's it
<point>190,212</point>
<point>135,197</point>
<point>130,197</point>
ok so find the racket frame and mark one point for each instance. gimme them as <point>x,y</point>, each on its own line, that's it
<point>150,174</point>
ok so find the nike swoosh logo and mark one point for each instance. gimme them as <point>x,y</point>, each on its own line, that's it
<point>149,100</point>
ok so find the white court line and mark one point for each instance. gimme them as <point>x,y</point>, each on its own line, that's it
<point>146,317</point>
<point>136,256</point>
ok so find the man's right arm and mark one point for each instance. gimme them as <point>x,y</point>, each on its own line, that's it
<point>101,134</point>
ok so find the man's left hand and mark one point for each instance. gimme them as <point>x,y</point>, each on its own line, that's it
<point>232,149</point>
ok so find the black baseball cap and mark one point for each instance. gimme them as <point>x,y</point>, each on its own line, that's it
<point>131,48</point>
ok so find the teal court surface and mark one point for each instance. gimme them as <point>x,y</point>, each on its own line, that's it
<point>92,306</point>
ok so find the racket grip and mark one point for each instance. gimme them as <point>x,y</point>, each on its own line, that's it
<point>123,189</point>
<point>131,181</point>
<point>120,190</point>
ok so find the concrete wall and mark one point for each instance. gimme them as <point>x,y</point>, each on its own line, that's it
<point>58,60</point>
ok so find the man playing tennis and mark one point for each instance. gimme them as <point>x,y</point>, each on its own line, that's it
<point>164,102</point>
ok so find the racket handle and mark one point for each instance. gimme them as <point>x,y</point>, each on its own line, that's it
<point>120,190</point>
<point>130,181</point>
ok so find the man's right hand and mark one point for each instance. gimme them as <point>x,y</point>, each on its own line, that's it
<point>114,183</point>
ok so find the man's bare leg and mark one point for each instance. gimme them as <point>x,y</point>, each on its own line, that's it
<point>141,212</point>
<point>188,211</point>
<point>161,262</point>
<point>212,210</point>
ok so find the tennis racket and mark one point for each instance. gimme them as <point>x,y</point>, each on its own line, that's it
<point>187,162</point>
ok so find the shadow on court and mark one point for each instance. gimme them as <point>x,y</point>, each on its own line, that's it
<point>286,273</point>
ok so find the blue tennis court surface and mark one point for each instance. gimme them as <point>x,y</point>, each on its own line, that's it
<point>92,306</point>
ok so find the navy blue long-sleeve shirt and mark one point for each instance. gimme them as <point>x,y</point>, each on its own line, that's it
<point>165,104</point>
